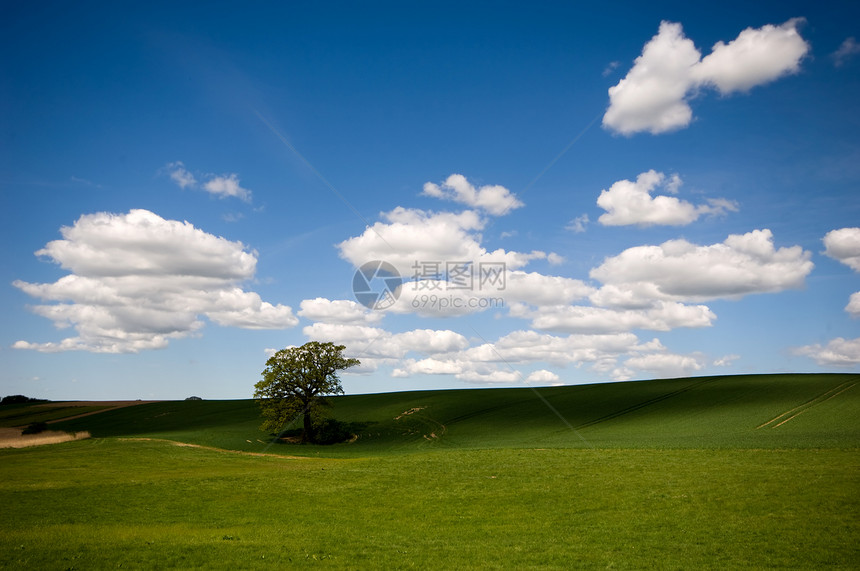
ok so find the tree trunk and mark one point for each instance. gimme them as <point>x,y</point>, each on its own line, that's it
<point>307,429</point>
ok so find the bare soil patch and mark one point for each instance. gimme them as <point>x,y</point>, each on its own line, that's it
<point>12,437</point>
<point>410,411</point>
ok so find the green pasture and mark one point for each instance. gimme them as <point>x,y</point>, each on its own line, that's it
<point>705,412</point>
<point>24,414</point>
<point>710,473</point>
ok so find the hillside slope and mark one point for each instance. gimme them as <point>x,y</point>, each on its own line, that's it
<point>750,411</point>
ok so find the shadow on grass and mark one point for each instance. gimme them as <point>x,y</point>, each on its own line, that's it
<point>331,431</point>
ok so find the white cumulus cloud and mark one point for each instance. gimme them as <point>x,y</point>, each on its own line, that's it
<point>654,95</point>
<point>844,245</point>
<point>755,57</point>
<point>543,376</point>
<point>662,365</point>
<point>661,316</point>
<point>853,307</point>
<point>627,203</point>
<point>337,311</point>
<point>362,340</point>
<point>578,224</point>
<point>223,186</point>
<point>494,199</point>
<point>227,186</point>
<point>838,352</point>
<point>180,175</point>
<point>678,270</point>
<point>534,347</point>
<point>138,280</point>
<point>414,240</point>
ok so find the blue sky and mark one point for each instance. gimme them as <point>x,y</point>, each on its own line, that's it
<point>670,189</point>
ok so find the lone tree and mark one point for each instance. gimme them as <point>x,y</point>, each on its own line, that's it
<point>296,381</point>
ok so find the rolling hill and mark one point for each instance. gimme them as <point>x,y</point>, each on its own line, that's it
<point>749,411</point>
<point>715,473</point>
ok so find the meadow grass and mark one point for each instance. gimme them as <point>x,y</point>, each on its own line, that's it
<point>707,473</point>
<point>24,414</point>
<point>708,412</point>
<point>148,504</point>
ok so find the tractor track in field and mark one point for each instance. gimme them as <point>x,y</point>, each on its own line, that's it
<point>110,405</point>
<point>647,403</point>
<point>800,409</point>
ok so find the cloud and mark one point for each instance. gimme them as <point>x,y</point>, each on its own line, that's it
<point>654,95</point>
<point>226,186</point>
<point>543,377</point>
<point>441,298</point>
<point>360,340</point>
<point>843,245</point>
<point>375,346</point>
<point>180,175</point>
<point>853,307</point>
<point>376,342</point>
<point>138,280</point>
<point>554,259</point>
<point>755,57</point>
<point>662,365</point>
<point>847,50</point>
<point>493,199</point>
<point>630,203</point>
<point>678,270</point>
<point>540,289</point>
<point>532,347</point>
<point>432,341</point>
<point>493,363</point>
<point>838,352</point>
<point>410,237</point>
<point>610,67</point>
<point>337,311</point>
<point>663,316</point>
<point>221,186</point>
<point>578,224</point>
<point>726,360</point>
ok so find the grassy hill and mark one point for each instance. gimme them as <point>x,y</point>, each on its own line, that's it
<point>715,473</point>
<point>755,411</point>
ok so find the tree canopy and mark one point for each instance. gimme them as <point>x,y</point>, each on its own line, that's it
<point>296,381</point>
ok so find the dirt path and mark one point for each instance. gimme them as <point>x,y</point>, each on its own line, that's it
<point>214,449</point>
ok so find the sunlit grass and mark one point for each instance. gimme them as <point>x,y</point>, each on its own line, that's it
<point>670,474</point>
<point>105,503</point>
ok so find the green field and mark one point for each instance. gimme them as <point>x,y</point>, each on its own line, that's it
<point>714,473</point>
<point>21,415</point>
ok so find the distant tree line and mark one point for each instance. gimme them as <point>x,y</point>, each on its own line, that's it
<point>20,399</point>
